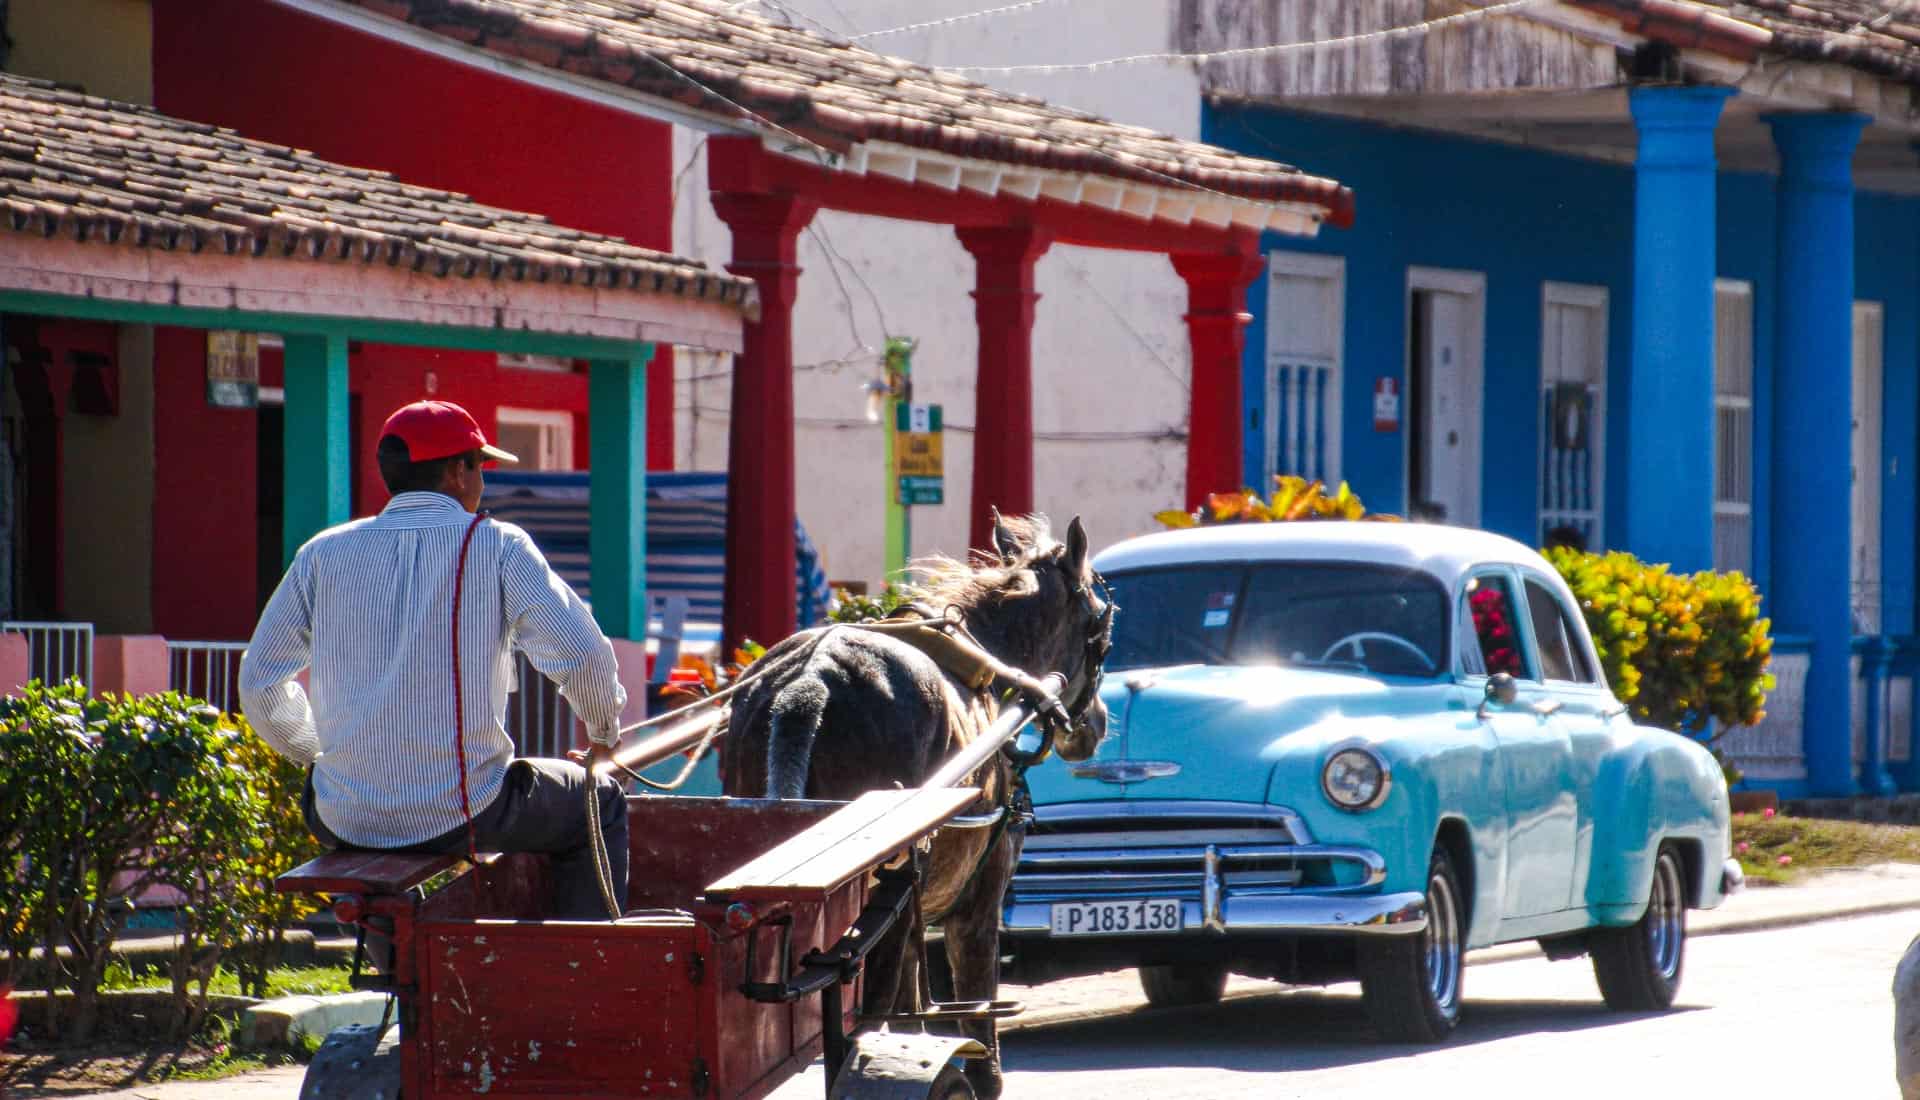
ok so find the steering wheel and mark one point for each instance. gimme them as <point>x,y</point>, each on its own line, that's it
<point>1359,636</point>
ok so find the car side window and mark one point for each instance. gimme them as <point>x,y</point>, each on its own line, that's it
<point>1491,610</point>
<point>1561,655</point>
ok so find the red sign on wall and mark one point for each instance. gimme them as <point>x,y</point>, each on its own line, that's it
<point>1386,404</point>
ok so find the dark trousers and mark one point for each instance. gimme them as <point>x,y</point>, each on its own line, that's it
<point>541,807</point>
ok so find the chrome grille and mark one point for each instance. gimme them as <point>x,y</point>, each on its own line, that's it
<point>1089,851</point>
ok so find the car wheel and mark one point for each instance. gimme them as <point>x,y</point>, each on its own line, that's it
<point>1183,984</point>
<point>1638,967</point>
<point>1410,984</point>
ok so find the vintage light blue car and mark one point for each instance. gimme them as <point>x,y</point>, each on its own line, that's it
<point>1360,749</point>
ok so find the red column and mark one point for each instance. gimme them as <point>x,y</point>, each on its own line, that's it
<point>1003,301</point>
<point>1216,323</point>
<point>760,470</point>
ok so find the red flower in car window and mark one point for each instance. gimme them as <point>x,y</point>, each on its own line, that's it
<point>1495,628</point>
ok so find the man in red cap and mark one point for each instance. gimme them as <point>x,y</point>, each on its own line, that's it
<point>399,616</point>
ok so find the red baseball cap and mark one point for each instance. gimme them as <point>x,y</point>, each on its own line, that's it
<point>439,429</point>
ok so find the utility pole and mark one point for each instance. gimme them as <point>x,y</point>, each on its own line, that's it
<point>899,397</point>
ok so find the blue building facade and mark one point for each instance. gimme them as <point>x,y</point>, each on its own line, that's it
<point>1705,366</point>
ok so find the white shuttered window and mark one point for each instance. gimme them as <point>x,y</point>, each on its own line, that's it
<point>1733,425</point>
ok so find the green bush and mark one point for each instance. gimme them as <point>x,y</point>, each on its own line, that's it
<point>284,843</point>
<point>1684,652</point>
<point>851,607</point>
<point>103,798</point>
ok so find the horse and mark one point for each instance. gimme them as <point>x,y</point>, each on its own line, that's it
<point>841,711</point>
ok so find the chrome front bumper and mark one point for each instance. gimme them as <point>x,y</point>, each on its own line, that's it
<point>1732,878</point>
<point>1234,869</point>
<point>1374,914</point>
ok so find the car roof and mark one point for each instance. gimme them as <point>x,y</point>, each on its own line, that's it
<point>1445,552</point>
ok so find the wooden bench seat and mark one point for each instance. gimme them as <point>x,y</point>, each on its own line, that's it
<point>353,871</point>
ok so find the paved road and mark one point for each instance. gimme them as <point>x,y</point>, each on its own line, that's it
<point>1801,1012</point>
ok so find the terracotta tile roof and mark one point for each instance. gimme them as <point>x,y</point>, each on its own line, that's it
<point>710,56</point>
<point>1872,36</point>
<point>93,169</point>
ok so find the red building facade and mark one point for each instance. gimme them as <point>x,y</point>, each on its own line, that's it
<point>279,75</point>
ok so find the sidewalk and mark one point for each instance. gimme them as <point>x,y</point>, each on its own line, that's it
<point>1829,896</point>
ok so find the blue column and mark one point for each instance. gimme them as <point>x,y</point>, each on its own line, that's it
<point>1812,427</point>
<point>319,471</point>
<point>617,542</point>
<point>1669,459</point>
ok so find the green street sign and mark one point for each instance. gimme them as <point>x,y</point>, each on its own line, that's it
<point>921,490</point>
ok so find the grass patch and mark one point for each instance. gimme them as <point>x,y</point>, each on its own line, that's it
<point>286,981</point>
<point>223,1064</point>
<point>1814,844</point>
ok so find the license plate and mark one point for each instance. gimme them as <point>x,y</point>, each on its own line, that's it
<point>1152,916</point>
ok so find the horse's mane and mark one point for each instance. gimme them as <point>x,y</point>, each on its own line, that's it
<point>967,585</point>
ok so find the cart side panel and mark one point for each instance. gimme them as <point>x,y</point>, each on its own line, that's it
<point>680,844</point>
<point>515,886</point>
<point>562,1009</point>
<point>762,1045</point>
<point>754,1041</point>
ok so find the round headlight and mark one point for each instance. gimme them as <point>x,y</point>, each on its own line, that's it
<point>1355,778</point>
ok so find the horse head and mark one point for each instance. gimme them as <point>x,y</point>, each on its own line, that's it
<point>1057,606</point>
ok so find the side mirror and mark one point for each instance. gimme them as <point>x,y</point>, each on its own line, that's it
<point>1501,690</point>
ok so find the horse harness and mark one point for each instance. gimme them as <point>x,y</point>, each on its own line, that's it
<point>946,640</point>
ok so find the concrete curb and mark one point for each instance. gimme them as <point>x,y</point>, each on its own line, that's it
<point>1072,1014</point>
<point>283,1021</point>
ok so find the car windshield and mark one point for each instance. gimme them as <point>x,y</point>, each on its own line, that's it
<point>1364,618</point>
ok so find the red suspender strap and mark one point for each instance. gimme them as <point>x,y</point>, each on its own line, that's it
<point>459,698</point>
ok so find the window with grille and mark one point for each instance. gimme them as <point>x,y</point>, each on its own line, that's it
<point>1573,404</point>
<point>1306,315</point>
<point>1733,425</point>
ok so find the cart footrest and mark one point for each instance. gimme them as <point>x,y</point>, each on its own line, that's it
<point>948,1011</point>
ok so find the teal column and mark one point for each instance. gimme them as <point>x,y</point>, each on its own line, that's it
<point>1669,459</point>
<point>1812,426</point>
<point>318,468</point>
<point>617,542</point>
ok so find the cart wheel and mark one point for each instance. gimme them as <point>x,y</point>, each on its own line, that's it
<point>897,1065</point>
<point>355,1063</point>
<point>952,1084</point>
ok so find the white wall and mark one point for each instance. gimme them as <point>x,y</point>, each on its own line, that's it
<point>1110,350</point>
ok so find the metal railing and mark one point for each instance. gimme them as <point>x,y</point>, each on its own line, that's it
<point>207,670</point>
<point>538,719</point>
<point>1776,748</point>
<point>57,652</point>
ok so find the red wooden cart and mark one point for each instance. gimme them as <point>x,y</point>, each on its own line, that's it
<point>737,964</point>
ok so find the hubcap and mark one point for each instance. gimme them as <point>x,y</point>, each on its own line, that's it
<point>1666,919</point>
<point>1443,943</point>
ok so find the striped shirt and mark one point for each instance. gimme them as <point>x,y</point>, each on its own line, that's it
<point>368,606</point>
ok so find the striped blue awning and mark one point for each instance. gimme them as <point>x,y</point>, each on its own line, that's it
<point>686,536</point>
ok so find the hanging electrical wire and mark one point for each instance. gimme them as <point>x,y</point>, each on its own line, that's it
<point>1362,38</point>
<point>951,19</point>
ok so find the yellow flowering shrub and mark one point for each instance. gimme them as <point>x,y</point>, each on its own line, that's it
<point>1293,498</point>
<point>1681,651</point>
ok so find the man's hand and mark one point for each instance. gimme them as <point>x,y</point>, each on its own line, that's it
<point>598,737</point>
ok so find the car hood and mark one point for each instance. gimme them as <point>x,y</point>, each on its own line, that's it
<point>1212,732</point>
